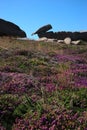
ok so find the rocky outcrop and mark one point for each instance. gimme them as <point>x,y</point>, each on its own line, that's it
<point>10,29</point>
<point>43,32</point>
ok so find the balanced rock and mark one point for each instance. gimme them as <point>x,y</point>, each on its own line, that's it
<point>10,29</point>
<point>43,29</point>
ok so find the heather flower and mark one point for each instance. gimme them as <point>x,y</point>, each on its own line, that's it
<point>61,87</point>
<point>66,58</point>
<point>81,82</point>
<point>50,87</point>
<point>16,82</point>
<point>52,127</point>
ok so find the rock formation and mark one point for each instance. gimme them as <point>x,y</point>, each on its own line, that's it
<point>10,29</point>
<point>43,32</point>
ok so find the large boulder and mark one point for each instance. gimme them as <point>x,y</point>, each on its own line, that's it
<point>10,29</point>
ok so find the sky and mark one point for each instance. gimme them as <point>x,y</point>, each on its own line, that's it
<point>29,15</point>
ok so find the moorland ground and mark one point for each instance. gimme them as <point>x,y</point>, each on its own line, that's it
<point>43,86</point>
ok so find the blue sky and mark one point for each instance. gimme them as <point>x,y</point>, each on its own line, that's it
<point>63,15</point>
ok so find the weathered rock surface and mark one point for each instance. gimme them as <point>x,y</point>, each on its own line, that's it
<point>43,32</point>
<point>10,29</point>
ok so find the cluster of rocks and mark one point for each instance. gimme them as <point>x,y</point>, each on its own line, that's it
<point>65,36</point>
<point>10,29</point>
<point>67,40</point>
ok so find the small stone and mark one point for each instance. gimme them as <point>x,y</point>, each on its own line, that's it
<point>76,42</point>
<point>60,41</point>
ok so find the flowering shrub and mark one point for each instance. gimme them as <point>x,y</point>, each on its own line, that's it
<point>52,120</point>
<point>15,82</point>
